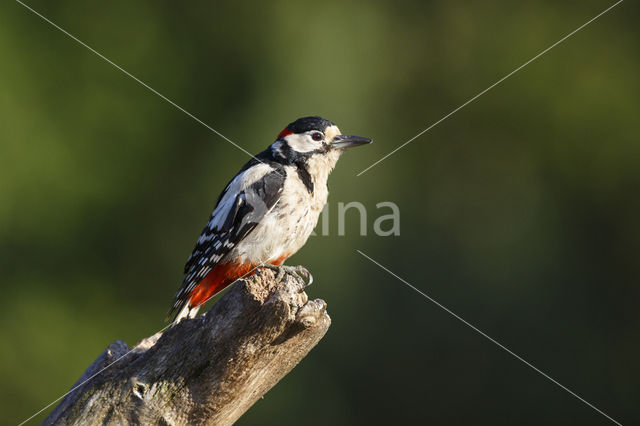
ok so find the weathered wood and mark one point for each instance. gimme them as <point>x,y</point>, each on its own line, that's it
<point>206,370</point>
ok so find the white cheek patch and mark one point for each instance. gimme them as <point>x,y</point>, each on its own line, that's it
<point>301,143</point>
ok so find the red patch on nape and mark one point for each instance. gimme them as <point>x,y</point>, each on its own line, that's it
<point>216,280</point>
<point>284,133</point>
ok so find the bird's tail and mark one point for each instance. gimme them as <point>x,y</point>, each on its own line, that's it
<point>182,307</point>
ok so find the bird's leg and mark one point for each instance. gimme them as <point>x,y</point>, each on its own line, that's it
<point>294,271</point>
<point>275,268</point>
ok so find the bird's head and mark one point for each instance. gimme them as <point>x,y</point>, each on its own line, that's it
<point>313,137</point>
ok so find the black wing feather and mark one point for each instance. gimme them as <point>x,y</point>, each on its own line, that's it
<point>248,209</point>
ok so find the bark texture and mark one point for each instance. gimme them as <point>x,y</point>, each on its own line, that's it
<point>206,370</point>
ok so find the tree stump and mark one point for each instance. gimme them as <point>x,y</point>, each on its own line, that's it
<point>205,370</point>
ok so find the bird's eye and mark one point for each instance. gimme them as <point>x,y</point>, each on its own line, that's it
<point>317,136</point>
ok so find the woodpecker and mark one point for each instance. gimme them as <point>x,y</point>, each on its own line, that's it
<point>266,212</point>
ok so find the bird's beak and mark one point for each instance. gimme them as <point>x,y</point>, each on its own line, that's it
<point>344,141</point>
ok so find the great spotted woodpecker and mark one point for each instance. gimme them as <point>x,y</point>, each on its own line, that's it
<point>266,213</point>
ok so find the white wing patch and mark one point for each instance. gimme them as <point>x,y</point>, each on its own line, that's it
<point>247,198</point>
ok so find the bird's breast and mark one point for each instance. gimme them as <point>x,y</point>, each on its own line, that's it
<point>286,227</point>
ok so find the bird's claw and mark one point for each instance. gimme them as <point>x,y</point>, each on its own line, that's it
<point>294,271</point>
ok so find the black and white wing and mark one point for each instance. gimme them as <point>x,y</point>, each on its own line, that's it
<point>241,206</point>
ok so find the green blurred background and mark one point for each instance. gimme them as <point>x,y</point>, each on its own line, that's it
<point>520,212</point>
